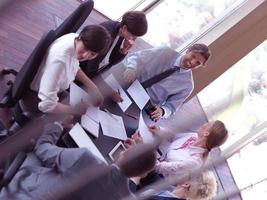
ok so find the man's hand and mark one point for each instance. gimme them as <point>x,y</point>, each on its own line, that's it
<point>66,121</point>
<point>154,129</point>
<point>137,137</point>
<point>129,142</point>
<point>156,114</point>
<point>80,108</point>
<point>127,44</point>
<point>116,97</point>
<point>129,75</point>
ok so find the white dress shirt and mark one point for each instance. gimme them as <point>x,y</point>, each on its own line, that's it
<point>58,69</point>
<point>177,158</point>
<point>171,92</point>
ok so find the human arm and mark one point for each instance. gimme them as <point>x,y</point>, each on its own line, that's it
<point>176,167</point>
<point>96,94</point>
<point>135,62</point>
<point>53,156</point>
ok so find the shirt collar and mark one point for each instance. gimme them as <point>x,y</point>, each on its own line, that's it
<point>177,63</point>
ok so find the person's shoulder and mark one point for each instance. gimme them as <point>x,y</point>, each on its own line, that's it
<point>112,27</point>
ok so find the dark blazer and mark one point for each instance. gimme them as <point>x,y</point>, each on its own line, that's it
<point>91,67</point>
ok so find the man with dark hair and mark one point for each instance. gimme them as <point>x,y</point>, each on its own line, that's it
<point>166,75</point>
<point>61,66</point>
<point>124,33</point>
<point>52,172</point>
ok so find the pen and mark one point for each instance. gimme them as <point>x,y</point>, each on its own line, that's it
<point>119,92</point>
<point>132,116</point>
<point>109,113</point>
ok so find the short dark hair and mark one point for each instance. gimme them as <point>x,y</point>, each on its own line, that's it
<point>95,38</point>
<point>135,22</point>
<point>202,49</point>
<point>138,160</point>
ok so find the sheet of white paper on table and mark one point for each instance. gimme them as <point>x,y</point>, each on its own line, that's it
<point>92,112</point>
<point>138,94</point>
<point>78,95</point>
<point>112,125</point>
<point>114,84</point>
<point>144,130</point>
<point>90,125</point>
<point>83,140</point>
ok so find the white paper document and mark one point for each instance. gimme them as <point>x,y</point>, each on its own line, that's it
<point>112,125</point>
<point>144,130</point>
<point>90,120</point>
<point>90,125</point>
<point>82,140</point>
<point>78,95</point>
<point>114,84</point>
<point>138,94</point>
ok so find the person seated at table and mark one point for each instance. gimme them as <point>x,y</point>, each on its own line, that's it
<point>185,152</point>
<point>191,150</point>
<point>61,66</point>
<point>52,172</point>
<point>166,75</point>
<point>201,187</point>
<point>123,34</point>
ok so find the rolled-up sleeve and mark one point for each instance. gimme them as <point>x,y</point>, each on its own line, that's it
<point>49,85</point>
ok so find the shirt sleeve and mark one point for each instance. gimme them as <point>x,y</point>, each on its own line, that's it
<point>49,84</point>
<point>139,59</point>
<point>177,167</point>
<point>175,101</point>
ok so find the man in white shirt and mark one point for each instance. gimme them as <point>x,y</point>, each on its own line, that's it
<point>61,66</point>
<point>170,92</point>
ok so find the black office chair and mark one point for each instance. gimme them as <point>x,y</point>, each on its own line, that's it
<point>25,76</point>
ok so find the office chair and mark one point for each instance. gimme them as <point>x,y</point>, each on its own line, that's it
<point>24,77</point>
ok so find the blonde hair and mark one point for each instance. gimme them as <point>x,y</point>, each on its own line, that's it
<point>203,187</point>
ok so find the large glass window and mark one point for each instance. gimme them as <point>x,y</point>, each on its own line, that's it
<point>114,9</point>
<point>249,167</point>
<point>239,96</point>
<point>173,22</point>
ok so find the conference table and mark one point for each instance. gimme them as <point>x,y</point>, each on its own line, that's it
<point>130,117</point>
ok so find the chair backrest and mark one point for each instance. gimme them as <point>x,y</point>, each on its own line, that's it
<point>29,69</point>
<point>76,19</point>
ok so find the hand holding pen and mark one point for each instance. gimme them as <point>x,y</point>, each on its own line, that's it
<point>116,96</point>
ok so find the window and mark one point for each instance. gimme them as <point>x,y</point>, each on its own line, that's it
<point>174,22</point>
<point>242,98</point>
<point>114,9</point>
<point>249,166</point>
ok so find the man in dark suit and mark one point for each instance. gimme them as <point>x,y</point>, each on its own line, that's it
<point>124,33</point>
<point>52,172</point>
